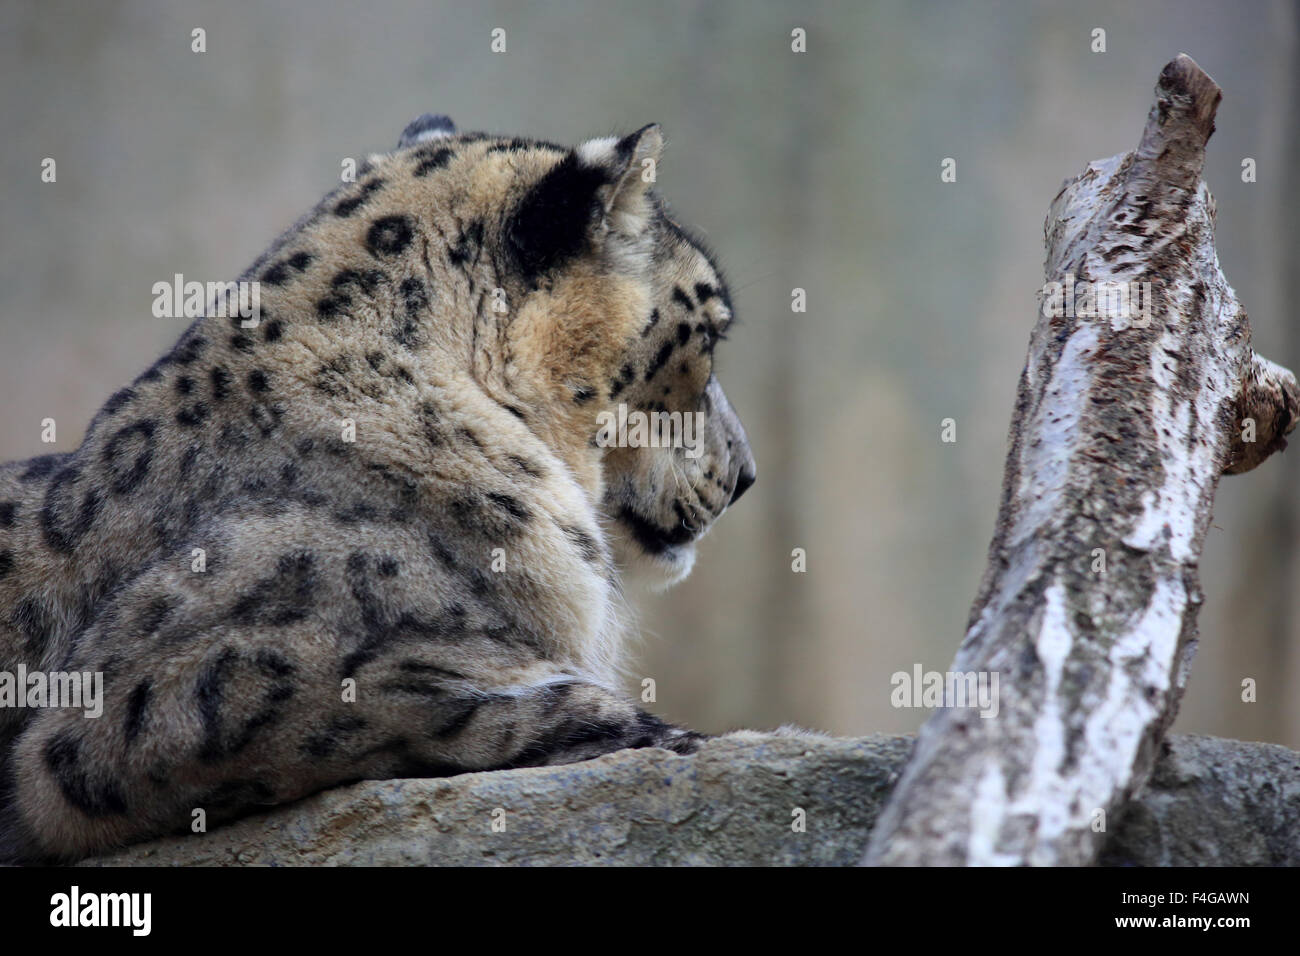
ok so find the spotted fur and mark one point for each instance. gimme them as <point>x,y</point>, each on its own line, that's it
<point>470,304</point>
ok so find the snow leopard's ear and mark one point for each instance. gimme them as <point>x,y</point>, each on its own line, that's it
<point>428,127</point>
<point>598,188</point>
<point>631,165</point>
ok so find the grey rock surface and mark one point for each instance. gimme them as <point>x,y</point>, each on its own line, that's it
<point>1213,802</point>
<point>734,803</point>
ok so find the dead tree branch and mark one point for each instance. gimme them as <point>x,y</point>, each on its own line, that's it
<point>1124,420</point>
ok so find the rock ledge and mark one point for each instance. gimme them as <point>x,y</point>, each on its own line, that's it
<point>1210,802</point>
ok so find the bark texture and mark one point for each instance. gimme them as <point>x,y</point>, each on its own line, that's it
<point>1124,421</point>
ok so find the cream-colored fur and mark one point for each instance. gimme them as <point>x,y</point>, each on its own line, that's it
<point>412,541</point>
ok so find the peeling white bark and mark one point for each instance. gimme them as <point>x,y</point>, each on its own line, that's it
<point>1121,430</point>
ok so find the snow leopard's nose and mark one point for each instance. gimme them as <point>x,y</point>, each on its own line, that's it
<point>743,481</point>
<point>738,450</point>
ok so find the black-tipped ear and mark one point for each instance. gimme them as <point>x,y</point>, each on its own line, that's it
<point>427,127</point>
<point>598,187</point>
<point>638,156</point>
<point>553,221</point>
<point>633,167</point>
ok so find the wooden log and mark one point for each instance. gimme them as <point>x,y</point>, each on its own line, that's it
<point>1126,415</point>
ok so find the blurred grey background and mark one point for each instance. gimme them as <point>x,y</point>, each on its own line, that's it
<point>817,170</point>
